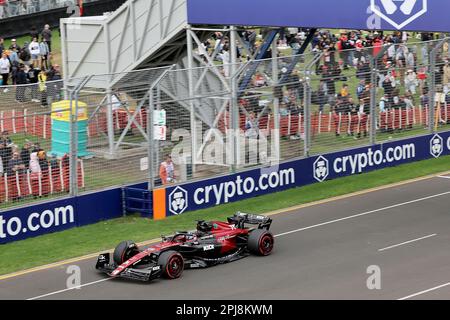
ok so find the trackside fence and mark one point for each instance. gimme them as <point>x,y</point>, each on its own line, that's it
<point>77,136</point>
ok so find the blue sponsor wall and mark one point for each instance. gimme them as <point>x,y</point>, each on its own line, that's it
<point>87,209</point>
<point>192,196</point>
<point>104,205</point>
<point>424,15</point>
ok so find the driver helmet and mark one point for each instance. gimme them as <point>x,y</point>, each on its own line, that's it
<point>204,226</point>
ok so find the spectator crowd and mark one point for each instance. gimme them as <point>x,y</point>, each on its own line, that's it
<point>402,72</point>
<point>29,67</point>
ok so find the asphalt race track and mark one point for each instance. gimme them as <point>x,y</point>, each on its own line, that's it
<point>321,252</point>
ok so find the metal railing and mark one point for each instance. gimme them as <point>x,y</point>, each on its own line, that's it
<point>14,8</point>
<point>116,130</point>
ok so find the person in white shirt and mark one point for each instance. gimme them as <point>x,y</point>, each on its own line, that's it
<point>5,69</point>
<point>411,81</point>
<point>35,51</point>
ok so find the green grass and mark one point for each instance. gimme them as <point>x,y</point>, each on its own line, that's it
<point>105,235</point>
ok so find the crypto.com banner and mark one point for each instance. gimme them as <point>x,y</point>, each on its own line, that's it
<point>248,184</point>
<point>411,15</point>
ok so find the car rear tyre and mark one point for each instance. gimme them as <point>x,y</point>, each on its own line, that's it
<point>260,242</point>
<point>172,264</point>
<point>124,251</point>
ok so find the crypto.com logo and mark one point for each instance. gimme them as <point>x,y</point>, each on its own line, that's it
<point>436,146</point>
<point>321,169</point>
<point>178,201</point>
<point>386,9</point>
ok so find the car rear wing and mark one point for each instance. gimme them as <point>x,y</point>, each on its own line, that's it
<point>241,218</point>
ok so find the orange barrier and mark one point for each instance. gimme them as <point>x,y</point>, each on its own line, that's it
<point>53,180</point>
<point>40,125</point>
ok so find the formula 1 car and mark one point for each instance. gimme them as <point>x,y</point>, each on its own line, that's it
<point>212,243</point>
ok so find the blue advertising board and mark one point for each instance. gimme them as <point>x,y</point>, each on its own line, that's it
<point>248,184</point>
<point>53,216</point>
<point>412,15</point>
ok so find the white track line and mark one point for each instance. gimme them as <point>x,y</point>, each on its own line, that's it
<point>425,291</point>
<point>281,234</point>
<point>444,177</point>
<point>407,242</point>
<point>68,289</point>
<point>364,213</point>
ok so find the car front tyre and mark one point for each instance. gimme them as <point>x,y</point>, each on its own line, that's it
<point>172,264</point>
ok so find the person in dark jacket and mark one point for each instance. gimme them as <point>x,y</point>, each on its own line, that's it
<point>25,153</point>
<point>32,76</point>
<point>21,81</point>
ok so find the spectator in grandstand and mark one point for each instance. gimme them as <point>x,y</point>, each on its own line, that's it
<point>15,164</point>
<point>2,9</point>
<point>35,51</point>
<point>21,81</point>
<point>5,69</point>
<point>2,171</point>
<point>25,153</point>
<point>2,45</point>
<point>44,53</point>
<point>167,171</point>
<point>47,36</point>
<point>33,80</point>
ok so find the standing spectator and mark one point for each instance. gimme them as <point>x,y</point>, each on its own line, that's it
<point>25,55</point>
<point>2,10</point>
<point>15,164</point>
<point>5,69</point>
<point>251,126</point>
<point>167,171</point>
<point>14,45</point>
<point>47,36</point>
<point>35,172</point>
<point>35,51</point>
<point>44,53</point>
<point>411,81</point>
<point>55,83</point>
<point>5,138</point>
<point>33,80</point>
<point>446,80</point>
<point>21,81</point>
<point>42,79</point>
<point>13,7</point>
<point>25,153</point>
<point>5,149</point>
<point>1,45</point>
<point>34,33</point>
